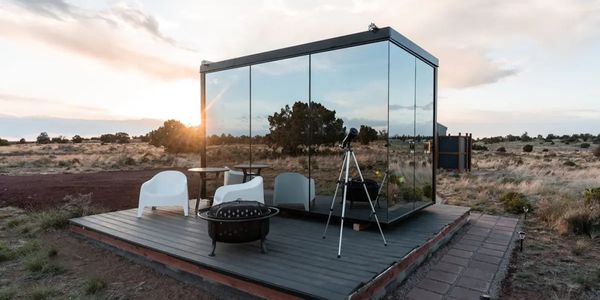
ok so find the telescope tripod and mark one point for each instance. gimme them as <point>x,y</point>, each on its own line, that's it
<point>348,153</point>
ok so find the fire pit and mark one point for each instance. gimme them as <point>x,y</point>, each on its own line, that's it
<point>239,222</point>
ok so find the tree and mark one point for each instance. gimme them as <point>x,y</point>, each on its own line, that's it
<point>43,138</point>
<point>108,138</point>
<point>290,127</point>
<point>366,134</point>
<point>525,137</point>
<point>122,138</point>
<point>176,137</point>
<point>77,139</point>
<point>22,141</point>
<point>59,140</point>
<point>4,142</point>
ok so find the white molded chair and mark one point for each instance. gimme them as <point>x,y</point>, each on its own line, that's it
<point>233,177</point>
<point>251,190</point>
<point>293,188</point>
<point>167,188</point>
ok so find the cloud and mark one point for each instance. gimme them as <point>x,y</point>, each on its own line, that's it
<point>477,42</point>
<point>18,99</point>
<point>112,36</point>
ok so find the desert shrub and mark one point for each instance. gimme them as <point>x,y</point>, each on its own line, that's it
<point>569,163</point>
<point>5,253</point>
<point>59,140</point>
<point>108,138</point>
<point>77,139</point>
<point>596,152</point>
<point>43,138</point>
<point>580,247</point>
<point>551,210</point>
<point>515,202</point>
<point>4,142</point>
<point>176,137</point>
<point>501,149</point>
<point>592,196</point>
<point>366,134</point>
<point>428,191</point>
<point>94,286</point>
<point>527,148</point>
<point>40,292</point>
<point>545,150</point>
<point>479,147</point>
<point>585,145</point>
<point>581,220</point>
<point>7,293</point>
<point>122,138</point>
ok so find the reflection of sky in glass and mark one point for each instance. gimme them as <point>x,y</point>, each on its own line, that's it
<point>353,82</point>
<point>274,85</point>
<point>227,102</point>
<point>424,99</point>
<point>402,92</point>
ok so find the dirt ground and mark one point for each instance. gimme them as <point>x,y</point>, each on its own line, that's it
<point>111,190</point>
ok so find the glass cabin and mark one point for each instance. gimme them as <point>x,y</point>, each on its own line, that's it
<point>291,108</point>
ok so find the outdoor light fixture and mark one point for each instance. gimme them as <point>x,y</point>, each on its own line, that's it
<point>525,209</point>
<point>521,238</point>
<point>373,27</point>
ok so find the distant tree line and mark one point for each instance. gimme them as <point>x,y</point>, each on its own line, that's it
<point>550,138</point>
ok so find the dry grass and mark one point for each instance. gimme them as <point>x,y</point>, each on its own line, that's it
<point>87,157</point>
<point>561,251</point>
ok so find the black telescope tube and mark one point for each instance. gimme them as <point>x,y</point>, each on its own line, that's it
<point>349,137</point>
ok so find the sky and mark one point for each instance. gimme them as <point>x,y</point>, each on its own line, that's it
<point>505,66</point>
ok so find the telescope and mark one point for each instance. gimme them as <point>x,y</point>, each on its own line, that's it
<point>353,133</point>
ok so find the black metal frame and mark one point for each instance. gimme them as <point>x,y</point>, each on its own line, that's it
<point>346,41</point>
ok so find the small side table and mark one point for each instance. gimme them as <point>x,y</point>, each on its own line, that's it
<point>202,172</point>
<point>247,169</point>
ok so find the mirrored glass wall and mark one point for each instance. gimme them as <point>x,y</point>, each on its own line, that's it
<point>292,114</point>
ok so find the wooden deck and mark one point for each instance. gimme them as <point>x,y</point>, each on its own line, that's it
<point>299,263</point>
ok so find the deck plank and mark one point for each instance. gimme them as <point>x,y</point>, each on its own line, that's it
<point>299,260</point>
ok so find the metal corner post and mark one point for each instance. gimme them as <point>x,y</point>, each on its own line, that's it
<point>203,119</point>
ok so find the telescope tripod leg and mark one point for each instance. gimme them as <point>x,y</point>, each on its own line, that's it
<point>337,187</point>
<point>347,162</point>
<point>368,197</point>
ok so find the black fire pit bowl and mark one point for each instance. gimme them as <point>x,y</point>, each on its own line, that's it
<point>239,222</point>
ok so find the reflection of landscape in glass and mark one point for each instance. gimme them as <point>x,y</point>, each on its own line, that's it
<point>292,114</point>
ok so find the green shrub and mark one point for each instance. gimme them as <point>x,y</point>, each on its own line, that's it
<point>501,149</point>
<point>77,139</point>
<point>7,293</point>
<point>94,286</point>
<point>592,196</point>
<point>581,220</point>
<point>5,253</point>
<point>580,247</point>
<point>527,148</point>
<point>515,202</point>
<point>479,147</point>
<point>584,145</point>
<point>41,292</point>
<point>4,142</point>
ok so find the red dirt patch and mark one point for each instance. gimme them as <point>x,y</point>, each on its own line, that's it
<point>114,190</point>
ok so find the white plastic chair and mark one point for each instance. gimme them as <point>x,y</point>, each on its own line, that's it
<point>251,190</point>
<point>233,177</point>
<point>294,188</point>
<point>167,188</point>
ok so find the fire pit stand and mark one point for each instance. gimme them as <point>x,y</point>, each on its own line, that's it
<point>238,222</point>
